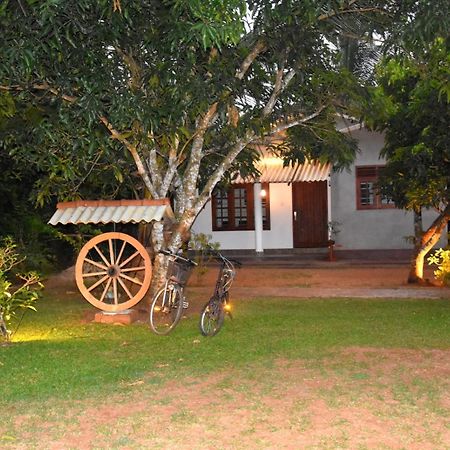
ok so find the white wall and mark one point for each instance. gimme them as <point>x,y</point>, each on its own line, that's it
<point>369,229</point>
<point>359,229</point>
<point>280,233</point>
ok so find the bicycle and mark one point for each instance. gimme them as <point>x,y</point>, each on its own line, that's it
<point>213,312</point>
<point>168,304</point>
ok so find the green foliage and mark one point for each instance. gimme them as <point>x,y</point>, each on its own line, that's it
<point>153,68</point>
<point>419,22</point>
<point>203,249</point>
<point>115,99</point>
<point>411,105</point>
<point>39,242</point>
<point>15,298</point>
<point>441,258</point>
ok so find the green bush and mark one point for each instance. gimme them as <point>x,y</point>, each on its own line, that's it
<point>202,246</point>
<point>441,258</point>
<point>20,296</point>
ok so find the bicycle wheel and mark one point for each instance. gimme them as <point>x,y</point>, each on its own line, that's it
<point>166,309</point>
<point>212,317</point>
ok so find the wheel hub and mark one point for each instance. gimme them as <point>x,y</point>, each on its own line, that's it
<point>113,271</point>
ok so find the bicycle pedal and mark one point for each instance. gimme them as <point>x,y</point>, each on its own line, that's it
<point>185,305</point>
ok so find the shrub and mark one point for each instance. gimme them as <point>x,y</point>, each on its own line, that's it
<point>13,298</point>
<point>202,246</point>
<point>441,258</point>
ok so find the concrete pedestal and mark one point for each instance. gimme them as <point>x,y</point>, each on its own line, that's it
<point>125,317</point>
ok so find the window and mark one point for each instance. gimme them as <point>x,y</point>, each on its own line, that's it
<point>367,195</point>
<point>233,209</point>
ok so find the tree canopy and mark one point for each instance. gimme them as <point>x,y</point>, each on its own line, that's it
<point>172,94</point>
<point>411,106</point>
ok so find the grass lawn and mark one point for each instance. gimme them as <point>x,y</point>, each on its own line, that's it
<point>56,360</point>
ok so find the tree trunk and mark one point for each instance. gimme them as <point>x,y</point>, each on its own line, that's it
<point>416,266</point>
<point>424,242</point>
<point>173,241</point>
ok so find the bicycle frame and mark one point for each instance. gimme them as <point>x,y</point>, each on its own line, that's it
<point>226,275</point>
<point>169,302</point>
<point>213,312</point>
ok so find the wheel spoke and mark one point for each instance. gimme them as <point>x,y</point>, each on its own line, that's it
<point>133,280</point>
<point>94,274</point>
<point>102,280</point>
<point>111,251</point>
<point>102,256</point>
<point>124,287</point>
<point>116,296</point>
<point>96,264</point>
<point>121,252</point>
<point>129,259</point>
<point>133,269</point>
<point>108,283</point>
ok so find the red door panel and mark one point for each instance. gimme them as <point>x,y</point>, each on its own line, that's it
<point>309,206</point>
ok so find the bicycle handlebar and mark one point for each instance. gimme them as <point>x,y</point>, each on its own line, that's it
<point>176,256</point>
<point>221,258</point>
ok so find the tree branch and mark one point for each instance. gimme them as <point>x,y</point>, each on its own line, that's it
<point>193,166</point>
<point>259,47</point>
<point>275,93</point>
<point>171,168</point>
<point>134,153</point>
<point>292,123</point>
<point>279,86</point>
<point>335,13</point>
<point>223,167</point>
<point>133,67</point>
<point>40,87</point>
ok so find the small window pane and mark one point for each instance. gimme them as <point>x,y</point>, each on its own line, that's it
<point>386,200</point>
<point>367,193</point>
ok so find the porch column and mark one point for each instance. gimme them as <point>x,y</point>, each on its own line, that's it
<point>258,218</point>
<point>329,206</point>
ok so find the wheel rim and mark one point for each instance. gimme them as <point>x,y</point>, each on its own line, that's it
<point>166,310</point>
<point>113,271</point>
<point>211,318</point>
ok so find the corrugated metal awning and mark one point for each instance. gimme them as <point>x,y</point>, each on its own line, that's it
<point>112,211</point>
<point>273,171</point>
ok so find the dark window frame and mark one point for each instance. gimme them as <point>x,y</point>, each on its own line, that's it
<point>370,174</point>
<point>232,207</point>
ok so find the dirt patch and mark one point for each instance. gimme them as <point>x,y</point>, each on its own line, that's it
<point>326,281</point>
<point>360,398</point>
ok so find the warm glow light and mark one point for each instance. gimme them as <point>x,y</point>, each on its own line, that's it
<point>227,307</point>
<point>263,193</point>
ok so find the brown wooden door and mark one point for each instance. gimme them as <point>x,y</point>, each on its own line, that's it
<point>309,211</point>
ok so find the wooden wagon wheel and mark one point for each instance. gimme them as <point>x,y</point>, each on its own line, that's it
<point>113,271</point>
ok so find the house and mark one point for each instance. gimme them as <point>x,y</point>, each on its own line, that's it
<point>306,206</point>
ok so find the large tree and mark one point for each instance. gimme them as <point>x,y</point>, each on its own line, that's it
<point>181,89</point>
<point>411,106</point>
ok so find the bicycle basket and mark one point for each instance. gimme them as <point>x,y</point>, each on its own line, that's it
<point>179,272</point>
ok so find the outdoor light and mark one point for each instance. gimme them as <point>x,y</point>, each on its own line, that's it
<point>263,193</point>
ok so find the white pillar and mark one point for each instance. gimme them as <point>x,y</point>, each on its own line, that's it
<point>329,206</point>
<point>258,218</point>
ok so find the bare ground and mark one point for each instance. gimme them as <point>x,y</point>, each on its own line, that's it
<point>362,398</point>
<point>381,402</point>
